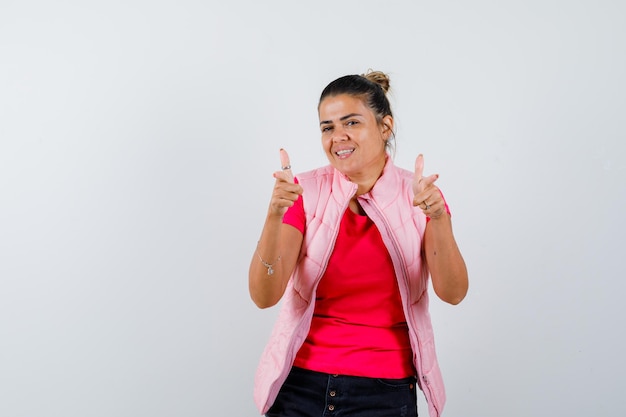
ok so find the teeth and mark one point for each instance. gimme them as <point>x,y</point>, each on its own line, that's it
<point>344,152</point>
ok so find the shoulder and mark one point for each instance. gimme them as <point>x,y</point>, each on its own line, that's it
<point>316,173</point>
<point>400,175</point>
<point>404,174</point>
<point>315,176</point>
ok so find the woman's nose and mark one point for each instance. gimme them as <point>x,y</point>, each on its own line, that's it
<point>339,135</point>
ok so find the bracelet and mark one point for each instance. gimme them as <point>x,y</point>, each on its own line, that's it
<point>270,267</point>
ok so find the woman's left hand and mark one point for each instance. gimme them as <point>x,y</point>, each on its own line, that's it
<point>426,194</point>
<point>445,262</point>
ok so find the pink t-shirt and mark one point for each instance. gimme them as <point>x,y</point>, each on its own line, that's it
<point>358,326</point>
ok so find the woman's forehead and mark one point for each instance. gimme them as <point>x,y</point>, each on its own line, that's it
<point>342,105</point>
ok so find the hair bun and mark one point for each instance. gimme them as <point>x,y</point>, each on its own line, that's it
<point>377,77</point>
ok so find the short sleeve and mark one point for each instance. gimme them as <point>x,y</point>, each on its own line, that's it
<point>295,214</point>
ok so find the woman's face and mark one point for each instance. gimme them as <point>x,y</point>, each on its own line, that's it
<point>353,140</point>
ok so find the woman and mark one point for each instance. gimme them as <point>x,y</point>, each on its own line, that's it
<point>348,248</point>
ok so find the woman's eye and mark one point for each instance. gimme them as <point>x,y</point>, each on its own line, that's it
<point>326,129</point>
<point>352,122</point>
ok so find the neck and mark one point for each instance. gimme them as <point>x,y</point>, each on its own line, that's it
<point>366,181</point>
<point>364,187</point>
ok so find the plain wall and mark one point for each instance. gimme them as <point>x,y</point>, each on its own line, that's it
<point>137,145</point>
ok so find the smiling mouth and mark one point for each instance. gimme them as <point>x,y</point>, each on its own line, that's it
<point>344,153</point>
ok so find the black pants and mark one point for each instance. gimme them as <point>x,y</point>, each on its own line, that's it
<point>314,394</point>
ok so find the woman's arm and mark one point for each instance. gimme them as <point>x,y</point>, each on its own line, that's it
<point>447,267</point>
<point>277,251</point>
<point>277,240</point>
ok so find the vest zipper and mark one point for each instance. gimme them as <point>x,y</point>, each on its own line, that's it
<point>290,347</point>
<point>405,274</point>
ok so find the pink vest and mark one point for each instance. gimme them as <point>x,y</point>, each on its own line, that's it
<point>389,204</point>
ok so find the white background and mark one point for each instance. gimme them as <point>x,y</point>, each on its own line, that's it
<point>137,145</point>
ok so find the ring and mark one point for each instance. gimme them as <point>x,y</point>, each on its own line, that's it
<point>426,204</point>
<point>286,167</point>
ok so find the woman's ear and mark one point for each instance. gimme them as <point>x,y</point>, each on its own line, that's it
<point>387,126</point>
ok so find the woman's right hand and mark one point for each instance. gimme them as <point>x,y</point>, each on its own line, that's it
<point>285,192</point>
<point>279,246</point>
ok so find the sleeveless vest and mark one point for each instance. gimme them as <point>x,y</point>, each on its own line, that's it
<point>326,196</point>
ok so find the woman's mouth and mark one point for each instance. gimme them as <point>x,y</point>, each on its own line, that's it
<point>344,153</point>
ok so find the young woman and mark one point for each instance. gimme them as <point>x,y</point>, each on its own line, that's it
<point>349,249</point>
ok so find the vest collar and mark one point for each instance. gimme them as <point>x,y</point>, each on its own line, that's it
<point>386,190</point>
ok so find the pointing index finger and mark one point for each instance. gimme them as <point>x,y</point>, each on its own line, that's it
<point>285,165</point>
<point>419,166</point>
